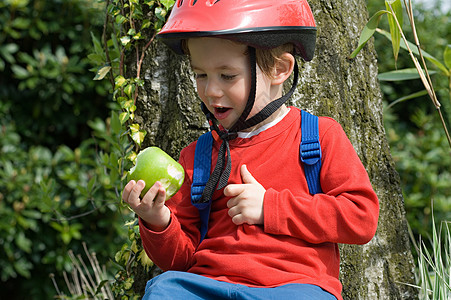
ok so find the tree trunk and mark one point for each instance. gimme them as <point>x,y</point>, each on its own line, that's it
<point>330,85</point>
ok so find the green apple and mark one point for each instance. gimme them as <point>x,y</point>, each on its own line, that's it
<point>153,164</point>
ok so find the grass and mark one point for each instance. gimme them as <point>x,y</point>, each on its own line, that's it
<point>434,264</point>
<point>85,282</point>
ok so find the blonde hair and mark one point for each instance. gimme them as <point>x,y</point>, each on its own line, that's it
<point>266,58</point>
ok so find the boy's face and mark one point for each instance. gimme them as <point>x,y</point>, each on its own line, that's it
<point>223,78</point>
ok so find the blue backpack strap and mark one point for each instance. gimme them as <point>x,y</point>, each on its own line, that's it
<point>310,151</point>
<point>201,173</point>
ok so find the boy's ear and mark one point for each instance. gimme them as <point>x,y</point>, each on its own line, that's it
<point>283,68</point>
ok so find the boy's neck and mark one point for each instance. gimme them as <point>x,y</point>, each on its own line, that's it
<point>283,110</point>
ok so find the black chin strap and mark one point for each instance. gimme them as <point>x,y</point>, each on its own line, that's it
<point>220,175</point>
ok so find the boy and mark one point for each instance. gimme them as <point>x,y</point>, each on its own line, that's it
<point>268,237</point>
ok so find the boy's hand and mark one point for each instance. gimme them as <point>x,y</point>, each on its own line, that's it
<point>246,204</point>
<point>151,208</point>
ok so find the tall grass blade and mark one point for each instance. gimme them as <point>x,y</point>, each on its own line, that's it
<point>397,12</point>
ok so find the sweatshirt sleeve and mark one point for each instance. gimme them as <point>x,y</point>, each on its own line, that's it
<point>346,212</point>
<point>173,248</point>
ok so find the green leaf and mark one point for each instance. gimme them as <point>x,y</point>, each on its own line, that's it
<point>120,19</point>
<point>20,72</point>
<point>66,237</point>
<point>125,40</point>
<point>119,81</point>
<point>115,43</point>
<point>21,23</point>
<point>11,47</point>
<point>136,134</point>
<point>131,31</point>
<point>414,49</point>
<point>146,24</point>
<point>22,267</point>
<point>22,242</point>
<point>96,59</point>
<point>447,56</point>
<point>368,31</point>
<point>97,45</point>
<point>408,97</point>
<point>116,125</point>
<point>400,75</point>
<point>167,3</point>
<point>123,117</point>
<point>91,184</point>
<point>146,262</point>
<point>394,29</point>
<point>100,286</point>
<point>129,89</point>
<point>18,3</point>
<point>7,50</point>
<point>160,13</point>
<point>101,73</point>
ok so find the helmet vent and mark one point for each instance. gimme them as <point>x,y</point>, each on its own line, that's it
<point>209,2</point>
<point>180,3</point>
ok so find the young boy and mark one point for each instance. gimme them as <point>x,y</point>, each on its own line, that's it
<point>268,237</point>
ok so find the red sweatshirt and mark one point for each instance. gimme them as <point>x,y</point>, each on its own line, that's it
<point>298,241</point>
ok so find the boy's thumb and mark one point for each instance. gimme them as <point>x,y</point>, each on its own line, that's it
<point>246,176</point>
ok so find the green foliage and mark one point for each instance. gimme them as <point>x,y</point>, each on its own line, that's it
<point>424,165</point>
<point>43,69</point>
<point>50,202</point>
<point>433,28</point>
<point>418,144</point>
<point>398,40</point>
<point>130,257</point>
<point>60,163</point>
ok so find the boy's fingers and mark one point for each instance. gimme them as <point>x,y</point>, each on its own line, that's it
<point>232,202</point>
<point>233,190</point>
<point>127,189</point>
<point>238,219</point>
<point>155,195</point>
<point>133,198</point>
<point>233,211</point>
<point>161,196</point>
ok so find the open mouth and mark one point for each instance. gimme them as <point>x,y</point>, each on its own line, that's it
<point>221,110</point>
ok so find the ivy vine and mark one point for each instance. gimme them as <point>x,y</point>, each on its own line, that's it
<point>129,30</point>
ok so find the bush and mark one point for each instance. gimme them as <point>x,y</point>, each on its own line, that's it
<point>50,203</point>
<point>423,161</point>
<point>60,166</point>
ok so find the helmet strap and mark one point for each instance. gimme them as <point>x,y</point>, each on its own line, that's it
<point>273,106</point>
<point>241,123</point>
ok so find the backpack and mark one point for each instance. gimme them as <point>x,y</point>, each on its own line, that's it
<point>309,152</point>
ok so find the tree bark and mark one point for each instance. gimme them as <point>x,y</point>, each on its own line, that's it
<point>331,85</point>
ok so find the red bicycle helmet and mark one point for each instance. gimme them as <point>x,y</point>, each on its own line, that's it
<point>257,23</point>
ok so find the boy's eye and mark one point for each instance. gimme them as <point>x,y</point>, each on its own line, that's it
<point>199,76</point>
<point>228,77</point>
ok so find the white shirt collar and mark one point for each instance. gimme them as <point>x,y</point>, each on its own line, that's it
<point>246,135</point>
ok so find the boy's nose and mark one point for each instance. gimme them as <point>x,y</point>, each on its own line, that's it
<point>213,89</point>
